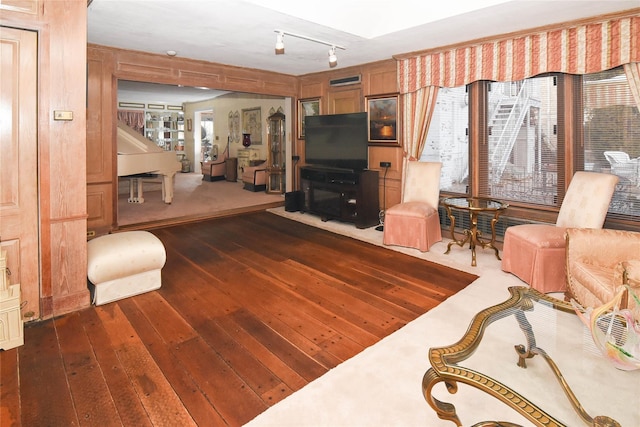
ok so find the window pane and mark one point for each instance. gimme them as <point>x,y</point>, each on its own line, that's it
<point>448,139</point>
<point>612,136</point>
<point>522,123</point>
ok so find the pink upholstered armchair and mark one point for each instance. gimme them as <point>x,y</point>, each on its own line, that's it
<point>536,252</point>
<point>599,262</point>
<point>414,222</point>
<point>254,178</point>
<point>215,169</point>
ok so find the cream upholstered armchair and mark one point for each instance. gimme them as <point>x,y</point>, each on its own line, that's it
<point>414,222</point>
<point>215,169</point>
<point>536,252</point>
<point>599,262</point>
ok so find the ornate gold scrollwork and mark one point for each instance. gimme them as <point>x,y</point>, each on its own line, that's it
<point>445,368</point>
<point>444,410</point>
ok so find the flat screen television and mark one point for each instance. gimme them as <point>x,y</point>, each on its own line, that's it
<point>337,141</point>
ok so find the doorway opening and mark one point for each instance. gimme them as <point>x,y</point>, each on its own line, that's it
<point>205,126</point>
<point>203,138</point>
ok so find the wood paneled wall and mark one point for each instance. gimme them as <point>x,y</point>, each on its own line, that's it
<point>62,27</point>
<point>108,65</point>
<point>377,78</point>
<point>77,196</point>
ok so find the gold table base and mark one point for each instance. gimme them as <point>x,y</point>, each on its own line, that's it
<point>444,367</point>
<point>473,236</point>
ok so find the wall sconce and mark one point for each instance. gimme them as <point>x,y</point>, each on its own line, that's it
<point>333,59</point>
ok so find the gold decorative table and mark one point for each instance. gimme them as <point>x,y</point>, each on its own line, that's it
<point>569,383</point>
<point>473,236</point>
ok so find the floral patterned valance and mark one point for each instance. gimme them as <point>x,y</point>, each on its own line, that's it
<point>580,49</point>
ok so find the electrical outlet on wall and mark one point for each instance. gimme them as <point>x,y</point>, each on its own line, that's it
<point>385,164</point>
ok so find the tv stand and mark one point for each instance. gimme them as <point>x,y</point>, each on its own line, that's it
<point>350,196</point>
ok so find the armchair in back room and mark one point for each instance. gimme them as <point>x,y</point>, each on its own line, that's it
<point>214,169</point>
<point>254,178</point>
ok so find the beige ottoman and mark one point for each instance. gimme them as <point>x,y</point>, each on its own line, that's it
<point>124,264</point>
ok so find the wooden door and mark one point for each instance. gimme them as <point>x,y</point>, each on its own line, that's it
<point>19,163</point>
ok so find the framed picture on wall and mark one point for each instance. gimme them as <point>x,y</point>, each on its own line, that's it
<point>307,107</point>
<point>382,119</point>
<point>252,124</point>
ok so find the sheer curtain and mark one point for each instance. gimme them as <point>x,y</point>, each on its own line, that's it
<point>632,72</point>
<point>418,109</point>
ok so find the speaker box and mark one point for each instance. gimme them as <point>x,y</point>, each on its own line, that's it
<point>293,201</point>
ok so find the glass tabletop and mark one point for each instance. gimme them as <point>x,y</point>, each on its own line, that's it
<point>488,356</point>
<point>474,203</point>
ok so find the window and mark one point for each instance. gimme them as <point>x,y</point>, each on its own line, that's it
<point>448,139</point>
<point>522,142</point>
<point>611,131</point>
<point>507,140</point>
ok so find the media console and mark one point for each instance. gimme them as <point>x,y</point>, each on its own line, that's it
<point>350,196</point>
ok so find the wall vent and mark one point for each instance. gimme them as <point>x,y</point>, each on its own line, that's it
<point>345,81</point>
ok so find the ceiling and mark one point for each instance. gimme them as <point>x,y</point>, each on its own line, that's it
<point>242,32</point>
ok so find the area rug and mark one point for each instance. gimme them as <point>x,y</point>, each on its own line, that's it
<point>192,197</point>
<point>381,386</point>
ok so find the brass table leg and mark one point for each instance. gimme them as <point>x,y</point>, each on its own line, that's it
<point>489,243</point>
<point>473,232</point>
<point>453,234</point>
<point>472,235</point>
<point>444,410</point>
<point>530,350</point>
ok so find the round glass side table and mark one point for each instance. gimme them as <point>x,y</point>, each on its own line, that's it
<point>474,206</point>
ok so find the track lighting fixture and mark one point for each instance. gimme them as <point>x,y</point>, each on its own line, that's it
<point>280,43</point>
<point>333,59</point>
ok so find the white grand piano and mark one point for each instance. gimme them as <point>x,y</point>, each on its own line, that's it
<point>137,155</point>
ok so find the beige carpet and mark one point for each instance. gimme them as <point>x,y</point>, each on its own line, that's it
<point>192,197</point>
<point>381,386</point>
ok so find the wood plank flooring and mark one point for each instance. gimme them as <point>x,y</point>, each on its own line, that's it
<point>251,309</point>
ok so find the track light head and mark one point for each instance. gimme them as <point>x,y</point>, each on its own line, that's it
<point>280,43</point>
<point>333,59</point>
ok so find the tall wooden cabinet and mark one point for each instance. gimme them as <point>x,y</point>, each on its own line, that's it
<point>276,154</point>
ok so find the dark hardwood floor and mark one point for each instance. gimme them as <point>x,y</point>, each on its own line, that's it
<point>252,308</point>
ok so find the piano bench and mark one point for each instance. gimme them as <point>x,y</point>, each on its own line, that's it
<point>124,264</point>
